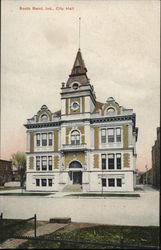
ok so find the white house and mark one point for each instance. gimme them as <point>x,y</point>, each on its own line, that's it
<point>89,143</point>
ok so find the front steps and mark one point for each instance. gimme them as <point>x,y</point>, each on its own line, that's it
<point>72,188</point>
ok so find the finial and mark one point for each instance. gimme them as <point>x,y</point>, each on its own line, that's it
<point>79,31</point>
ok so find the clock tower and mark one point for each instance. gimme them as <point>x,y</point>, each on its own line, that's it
<point>77,95</point>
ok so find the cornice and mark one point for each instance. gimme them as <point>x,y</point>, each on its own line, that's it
<point>42,125</point>
<point>91,120</point>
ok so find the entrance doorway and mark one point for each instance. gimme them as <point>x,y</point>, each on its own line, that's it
<point>77,177</point>
<point>75,173</point>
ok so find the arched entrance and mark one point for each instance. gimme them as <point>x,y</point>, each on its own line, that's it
<point>75,172</point>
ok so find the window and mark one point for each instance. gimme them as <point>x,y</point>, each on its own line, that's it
<point>75,86</point>
<point>119,182</point>
<point>110,111</point>
<point>37,139</point>
<point>38,163</point>
<point>44,139</point>
<point>43,182</point>
<point>50,182</point>
<point>50,162</point>
<point>111,161</point>
<point>77,69</point>
<point>75,137</point>
<point>75,106</point>
<point>103,161</point>
<point>44,163</point>
<point>103,135</point>
<point>103,182</point>
<point>50,139</point>
<point>118,159</point>
<point>44,118</point>
<point>37,182</point>
<point>111,182</point>
<point>111,135</point>
<point>118,134</point>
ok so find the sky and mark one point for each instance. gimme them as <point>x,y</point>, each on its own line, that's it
<point>120,44</point>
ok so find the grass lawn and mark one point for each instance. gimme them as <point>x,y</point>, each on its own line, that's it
<point>148,236</point>
<point>24,194</point>
<point>104,195</point>
<point>9,188</point>
<point>10,227</point>
<point>138,189</point>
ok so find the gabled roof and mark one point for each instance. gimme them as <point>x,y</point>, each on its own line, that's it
<point>57,113</point>
<point>97,107</point>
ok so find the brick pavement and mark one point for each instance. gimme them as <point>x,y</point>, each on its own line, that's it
<point>41,230</point>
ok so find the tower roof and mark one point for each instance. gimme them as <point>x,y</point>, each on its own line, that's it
<point>79,66</point>
<point>79,71</point>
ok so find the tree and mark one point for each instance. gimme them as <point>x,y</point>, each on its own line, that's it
<point>19,160</point>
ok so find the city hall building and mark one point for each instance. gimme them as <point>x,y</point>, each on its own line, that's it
<point>86,143</point>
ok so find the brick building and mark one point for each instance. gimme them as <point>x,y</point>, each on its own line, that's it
<point>156,161</point>
<point>88,143</point>
<point>5,171</point>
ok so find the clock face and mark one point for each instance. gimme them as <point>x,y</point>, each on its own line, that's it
<point>75,105</point>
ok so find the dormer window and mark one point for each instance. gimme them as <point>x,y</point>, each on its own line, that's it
<point>77,69</point>
<point>44,118</point>
<point>110,111</point>
<point>75,86</point>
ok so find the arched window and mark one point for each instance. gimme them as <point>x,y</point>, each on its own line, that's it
<point>110,111</point>
<point>44,118</point>
<point>75,137</point>
<point>75,164</point>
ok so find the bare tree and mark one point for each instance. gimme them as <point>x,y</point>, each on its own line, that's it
<point>19,160</point>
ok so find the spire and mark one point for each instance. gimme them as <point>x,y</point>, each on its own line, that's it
<point>79,69</point>
<point>79,66</point>
<point>79,31</point>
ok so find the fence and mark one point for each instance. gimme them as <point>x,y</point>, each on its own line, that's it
<point>104,245</point>
<point>4,224</point>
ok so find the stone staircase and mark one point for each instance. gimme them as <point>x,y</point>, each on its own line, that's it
<point>72,188</point>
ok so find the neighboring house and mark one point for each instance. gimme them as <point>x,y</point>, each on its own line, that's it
<point>5,171</point>
<point>87,142</point>
<point>146,177</point>
<point>139,177</point>
<point>156,161</point>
